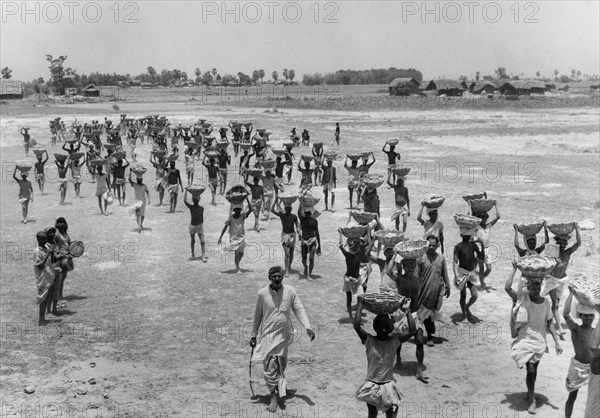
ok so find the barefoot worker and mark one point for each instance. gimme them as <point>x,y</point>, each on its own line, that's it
<point>531,241</point>
<point>432,226</point>
<point>579,369</point>
<point>25,192</point>
<point>402,202</point>
<point>592,406</point>
<point>289,225</point>
<point>379,390</point>
<point>43,271</point>
<point>196,224</point>
<point>272,332</point>
<point>531,318</point>
<point>173,185</point>
<point>433,273</point>
<point>329,181</point>
<point>40,175</point>
<point>237,233</point>
<point>102,189</point>
<point>482,238</point>
<point>466,255</point>
<point>310,240</point>
<point>141,193</point>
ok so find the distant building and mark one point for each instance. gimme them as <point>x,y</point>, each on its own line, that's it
<point>91,91</point>
<point>483,87</point>
<point>446,87</point>
<point>522,87</point>
<point>10,89</point>
<point>147,85</point>
<point>403,86</point>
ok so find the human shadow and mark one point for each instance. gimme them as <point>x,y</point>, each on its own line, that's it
<point>517,401</point>
<point>234,271</point>
<point>457,317</point>
<point>290,394</point>
<point>74,297</point>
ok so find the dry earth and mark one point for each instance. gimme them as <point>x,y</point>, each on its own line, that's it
<point>165,336</point>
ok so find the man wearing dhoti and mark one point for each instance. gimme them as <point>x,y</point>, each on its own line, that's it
<point>274,331</point>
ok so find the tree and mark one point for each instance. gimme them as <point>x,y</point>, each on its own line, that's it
<point>255,76</point>
<point>198,74</point>
<point>579,74</point>
<point>291,75</point>
<point>537,74</point>
<point>226,79</point>
<point>6,73</point>
<point>214,72</point>
<point>477,75</point>
<point>261,73</point>
<point>207,78</point>
<point>463,78</point>
<point>275,76</point>
<point>285,74</point>
<point>57,72</point>
<point>555,75</point>
<point>244,79</point>
<point>501,73</point>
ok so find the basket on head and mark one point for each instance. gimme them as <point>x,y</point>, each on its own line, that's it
<point>254,172</point>
<point>268,164</point>
<point>159,153</point>
<point>562,229</point>
<point>308,200</point>
<point>412,248</point>
<point>138,169</point>
<point>196,189</point>
<point>98,161</point>
<point>261,131</point>
<point>466,221</point>
<point>586,290</point>
<point>39,152</point>
<point>330,155</point>
<point>111,147</point>
<point>288,145</point>
<point>382,303</point>
<point>173,157</point>
<point>389,238</point>
<point>201,121</point>
<point>61,157</point>
<point>307,158</point>
<point>392,142</point>
<point>373,181</point>
<point>212,154</point>
<point>470,197</point>
<point>71,140</point>
<point>77,156</point>
<point>119,155</point>
<point>76,248</point>
<point>247,125</point>
<point>317,145</point>
<point>530,229</point>
<point>245,147</point>
<point>191,144</point>
<point>278,152</point>
<point>351,232</point>
<point>434,202</point>
<point>24,166</point>
<point>354,157</point>
<point>236,195</point>
<point>363,218</point>
<point>482,205</point>
<point>536,266</point>
<point>401,171</point>
<point>288,200</point>
<point>222,145</point>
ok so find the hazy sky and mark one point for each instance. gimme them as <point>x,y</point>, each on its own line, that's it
<point>451,39</point>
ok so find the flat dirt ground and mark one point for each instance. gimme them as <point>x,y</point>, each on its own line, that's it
<point>165,336</point>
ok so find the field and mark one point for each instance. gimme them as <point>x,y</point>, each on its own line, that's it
<point>165,336</point>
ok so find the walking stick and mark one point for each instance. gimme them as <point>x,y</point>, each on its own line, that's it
<point>250,372</point>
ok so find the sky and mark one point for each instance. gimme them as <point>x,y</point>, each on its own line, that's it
<point>447,38</point>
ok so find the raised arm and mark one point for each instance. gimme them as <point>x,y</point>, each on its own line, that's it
<point>362,334</point>
<point>492,223</point>
<point>572,325</point>
<point>223,232</point>
<point>577,244</point>
<point>420,215</point>
<point>15,175</point>
<point>509,282</point>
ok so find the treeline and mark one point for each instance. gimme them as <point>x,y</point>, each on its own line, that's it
<point>372,76</point>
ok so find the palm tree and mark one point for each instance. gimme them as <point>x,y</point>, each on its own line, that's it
<point>285,73</point>
<point>6,73</point>
<point>275,76</point>
<point>261,73</point>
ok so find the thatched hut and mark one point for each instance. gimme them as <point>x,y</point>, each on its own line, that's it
<point>403,86</point>
<point>91,91</point>
<point>11,89</point>
<point>446,87</point>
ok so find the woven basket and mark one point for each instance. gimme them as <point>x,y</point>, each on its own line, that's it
<point>245,147</point>
<point>254,172</point>
<point>278,152</point>
<point>111,147</point>
<point>61,157</point>
<point>267,164</point>
<point>288,145</point>
<point>365,155</point>
<point>482,205</point>
<point>412,248</point>
<point>330,155</point>
<point>389,238</point>
<point>401,171</point>
<point>76,249</point>
<point>39,152</point>
<point>24,166</point>
<point>222,145</point>
<point>261,131</point>
<point>236,195</point>
<point>382,303</point>
<point>138,169</point>
<point>71,140</point>
<point>562,228</point>
<point>307,158</point>
<point>173,157</point>
<point>191,144</point>
<point>196,189</point>
<point>119,155</point>
<point>317,145</point>
<point>363,218</point>
<point>288,199</point>
<point>247,125</point>
<point>530,229</point>
<point>354,157</point>
<point>354,231</point>
<point>98,161</point>
<point>470,197</point>
<point>309,200</point>
<point>77,155</point>
<point>466,221</point>
<point>393,142</point>
<point>434,202</point>
<point>536,266</point>
<point>373,181</point>
<point>586,290</point>
<point>212,154</point>
<point>159,153</point>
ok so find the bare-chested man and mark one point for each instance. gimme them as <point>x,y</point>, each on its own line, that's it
<point>289,229</point>
<point>310,241</point>
<point>173,181</point>
<point>402,202</point>
<point>466,254</point>
<point>356,275</point>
